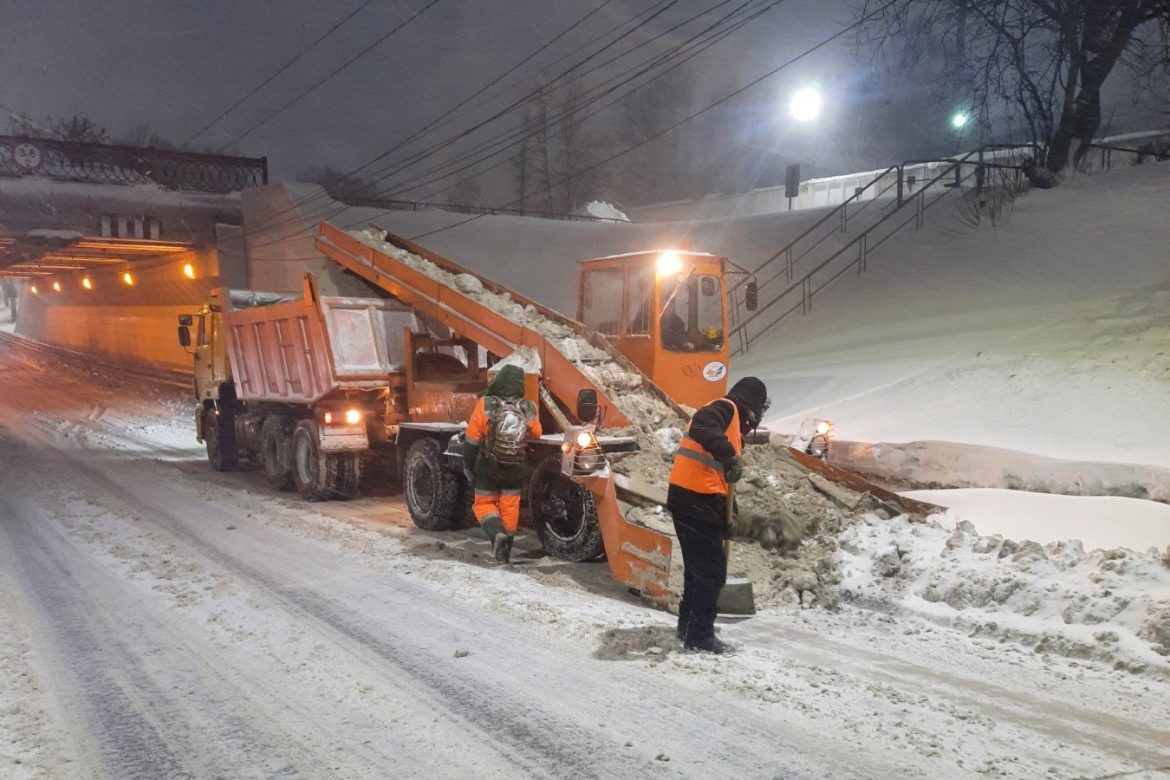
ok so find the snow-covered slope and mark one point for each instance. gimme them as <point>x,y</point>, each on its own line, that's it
<point>1049,334</point>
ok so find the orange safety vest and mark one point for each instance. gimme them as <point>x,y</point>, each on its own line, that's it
<point>695,469</point>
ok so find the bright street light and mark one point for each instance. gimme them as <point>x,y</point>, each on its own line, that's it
<point>959,120</point>
<point>805,105</point>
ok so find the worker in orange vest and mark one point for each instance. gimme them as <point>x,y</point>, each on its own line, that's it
<point>707,461</point>
<point>495,456</point>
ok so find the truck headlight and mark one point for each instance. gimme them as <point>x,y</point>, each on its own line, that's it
<point>823,427</point>
<point>586,440</point>
<point>353,416</point>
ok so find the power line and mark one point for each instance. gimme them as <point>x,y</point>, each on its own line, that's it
<point>688,118</point>
<point>305,93</point>
<point>658,7</point>
<point>334,208</point>
<point>275,74</point>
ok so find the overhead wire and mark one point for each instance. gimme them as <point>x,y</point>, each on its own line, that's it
<point>654,8</point>
<point>333,208</point>
<point>275,74</point>
<point>313,87</point>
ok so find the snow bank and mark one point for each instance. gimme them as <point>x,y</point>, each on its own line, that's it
<point>1109,605</point>
<point>1099,522</point>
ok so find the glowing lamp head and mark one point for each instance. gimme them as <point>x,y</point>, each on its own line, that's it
<point>805,105</point>
<point>585,440</point>
<point>960,120</point>
<point>823,427</point>
<point>128,279</point>
<point>34,289</point>
<point>87,283</point>
<point>328,417</point>
<point>188,270</point>
<point>353,416</point>
<point>668,263</point>
<point>56,287</point>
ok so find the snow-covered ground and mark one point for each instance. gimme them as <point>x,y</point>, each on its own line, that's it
<point>1099,522</point>
<point>165,620</point>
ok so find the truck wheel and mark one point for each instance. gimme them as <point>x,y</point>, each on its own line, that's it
<point>349,474</point>
<point>564,513</point>
<point>433,493</point>
<point>275,451</point>
<point>314,472</point>
<point>219,434</point>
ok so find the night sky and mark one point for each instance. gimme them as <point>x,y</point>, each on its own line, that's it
<point>176,65</point>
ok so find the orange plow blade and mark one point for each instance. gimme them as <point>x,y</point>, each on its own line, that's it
<point>638,556</point>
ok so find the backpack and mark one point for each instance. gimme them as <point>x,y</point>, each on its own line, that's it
<point>507,431</point>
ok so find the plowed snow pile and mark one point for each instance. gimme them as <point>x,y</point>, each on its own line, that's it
<point>815,542</point>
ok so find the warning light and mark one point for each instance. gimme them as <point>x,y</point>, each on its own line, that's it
<point>34,289</point>
<point>56,287</point>
<point>86,283</point>
<point>189,271</point>
<point>128,279</point>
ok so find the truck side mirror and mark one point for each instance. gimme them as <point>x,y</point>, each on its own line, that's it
<point>184,336</point>
<point>752,296</point>
<point>586,404</point>
<point>186,320</point>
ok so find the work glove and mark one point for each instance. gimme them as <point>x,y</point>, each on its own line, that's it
<point>733,470</point>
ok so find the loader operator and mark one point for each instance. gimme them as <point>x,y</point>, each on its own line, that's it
<point>706,463</point>
<point>494,453</point>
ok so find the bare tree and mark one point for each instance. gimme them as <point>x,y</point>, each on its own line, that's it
<point>1034,64</point>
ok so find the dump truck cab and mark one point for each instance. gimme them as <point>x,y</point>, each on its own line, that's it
<point>664,310</point>
<point>202,334</point>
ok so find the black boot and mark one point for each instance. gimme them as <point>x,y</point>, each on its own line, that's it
<point>502,547</point>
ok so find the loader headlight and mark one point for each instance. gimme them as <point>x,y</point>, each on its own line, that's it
<point>586,440</point>
<point>328,417</point>
<point>824,427</point>
<point>353,416</point>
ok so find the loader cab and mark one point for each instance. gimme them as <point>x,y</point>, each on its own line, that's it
<point>664,310</point>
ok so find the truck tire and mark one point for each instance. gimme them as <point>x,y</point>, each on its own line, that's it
<point>349,475</point>
<point>564,513</point>
<point>276,451</point>
<point>219,435</point>
<point>314,472</point>
<point>433,492</point>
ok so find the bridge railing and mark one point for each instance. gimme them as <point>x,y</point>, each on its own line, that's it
<point>113,164</point>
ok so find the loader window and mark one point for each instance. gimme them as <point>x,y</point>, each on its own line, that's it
<point>639,302</point>
<point>691,314</point>
<point>601,301</point>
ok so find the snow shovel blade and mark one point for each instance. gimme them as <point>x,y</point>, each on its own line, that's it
<point>737,597</point>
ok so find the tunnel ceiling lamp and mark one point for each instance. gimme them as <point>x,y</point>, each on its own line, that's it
<point>805,105</point>
<point>87,283</point>
<point>188,270</point>
<point>56,287</point>
<point>668,263</point>
<point>128,279</point>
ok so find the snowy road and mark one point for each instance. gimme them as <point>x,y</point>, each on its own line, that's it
<point>161,620</point>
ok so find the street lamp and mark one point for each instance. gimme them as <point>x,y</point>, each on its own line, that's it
<point>960,120</point>
<point>805,105</point>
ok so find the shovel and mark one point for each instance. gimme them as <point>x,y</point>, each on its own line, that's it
<point>737,597</point>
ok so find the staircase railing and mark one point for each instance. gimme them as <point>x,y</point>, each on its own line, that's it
<point>806,286</point>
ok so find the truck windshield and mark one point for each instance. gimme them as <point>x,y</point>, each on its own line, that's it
<point>691,314</point>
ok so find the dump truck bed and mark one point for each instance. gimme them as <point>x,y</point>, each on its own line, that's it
<point>300,350</point>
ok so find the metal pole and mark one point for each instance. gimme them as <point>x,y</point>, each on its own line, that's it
<point>805,295</point>
<point>788,263</point>
<point>899,186</point>
<point>862,252</point>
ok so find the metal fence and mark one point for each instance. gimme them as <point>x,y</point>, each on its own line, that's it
<point>386,204</point>
<point>112,164</point>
